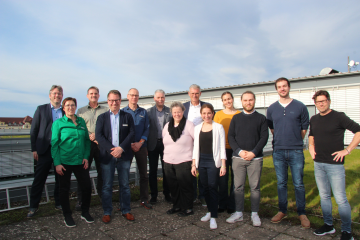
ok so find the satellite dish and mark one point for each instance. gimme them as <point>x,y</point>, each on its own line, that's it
<point>351,63</point>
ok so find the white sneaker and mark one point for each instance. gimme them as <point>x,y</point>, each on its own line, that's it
<point>235,217</point>
<point>256,220</point>
<point>213,224</point>
<point>206,217</point>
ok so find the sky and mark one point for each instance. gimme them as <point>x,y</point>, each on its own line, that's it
<point>118,44</point>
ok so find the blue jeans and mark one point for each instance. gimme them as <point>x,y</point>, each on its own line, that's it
<point>282,160</point>
<point>108,171</point>
<point>332,177</point>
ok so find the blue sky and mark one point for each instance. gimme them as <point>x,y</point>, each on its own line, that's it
<point>155,44</point>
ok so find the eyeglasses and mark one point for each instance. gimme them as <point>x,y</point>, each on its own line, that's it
<point>323,101</point>
<point>56,93</point>
<point>113,100</point>
<point>70,106</point>
<point>133,95</point>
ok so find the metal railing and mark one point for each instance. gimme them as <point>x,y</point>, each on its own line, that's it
<point>17,169</point>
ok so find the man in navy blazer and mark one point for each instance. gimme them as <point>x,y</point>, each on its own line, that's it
<point>40,137</point>
<point>192,113</point>
<point>115,131</point>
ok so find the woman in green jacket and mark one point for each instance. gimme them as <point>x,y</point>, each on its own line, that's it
<point>70,149</point>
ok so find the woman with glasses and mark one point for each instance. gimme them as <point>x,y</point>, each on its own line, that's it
<point>70,149</point>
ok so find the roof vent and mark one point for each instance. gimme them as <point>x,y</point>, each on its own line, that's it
<point>327,70</point>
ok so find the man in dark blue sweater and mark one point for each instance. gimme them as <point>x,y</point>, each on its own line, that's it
<point>248,135</point>
<point>288,120</point>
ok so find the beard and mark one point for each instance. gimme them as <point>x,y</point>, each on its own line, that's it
<point>249,108</point>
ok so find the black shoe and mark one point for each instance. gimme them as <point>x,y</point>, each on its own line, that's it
<point>230,211</point>
<point>173,210</point>
<point>168,198</point>
<point>186,213</point>
<point>32,212</point>
<point>153,200</point>
<point>346,236</point>
<point>86,216</point>
<point>325,229</point>
<point>58,207</point>
<point>69,221</point>
<point>78,206</point>
<point>221,210</point>
<point>146,205</point>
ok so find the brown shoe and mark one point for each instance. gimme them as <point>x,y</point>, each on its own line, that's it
<point>129,216</point>
<point>305,223</point>
<point>278,217</point>
<point>106,219</point>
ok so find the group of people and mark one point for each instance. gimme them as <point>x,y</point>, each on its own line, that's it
<point>190,139</point>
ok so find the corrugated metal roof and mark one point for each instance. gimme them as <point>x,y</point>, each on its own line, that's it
<point>259,83</point>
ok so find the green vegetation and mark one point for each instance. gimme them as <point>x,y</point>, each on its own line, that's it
<point>269,200</point>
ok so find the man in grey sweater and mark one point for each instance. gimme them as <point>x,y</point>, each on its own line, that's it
<point>248,135</point>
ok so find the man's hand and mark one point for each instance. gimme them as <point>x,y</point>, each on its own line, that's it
<point>35,155</point>
<point>86,163</point>
<point>60,169</point>
<point>243,154</point>
<point>249,156</point>
<point>136,146</point>
<point>92,136</point>
<point>193,171</point>
<point>96,142</point>
<point>340,155</point>
<point>116,152</point>
<point>312,151</point>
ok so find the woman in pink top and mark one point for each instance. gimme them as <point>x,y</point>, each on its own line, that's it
<point>178,139</point>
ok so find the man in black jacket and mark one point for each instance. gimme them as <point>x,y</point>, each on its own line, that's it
<point>248,135</point>
<point>40,136</point>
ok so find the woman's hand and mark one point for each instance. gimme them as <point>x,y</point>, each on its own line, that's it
<point>222,171</point>
<point>86,163</point>
<point>60,169</point>
<point>193,171</point>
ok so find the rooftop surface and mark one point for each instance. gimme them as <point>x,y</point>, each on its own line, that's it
<point>154,224</point>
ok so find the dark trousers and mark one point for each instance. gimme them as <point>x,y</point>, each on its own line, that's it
<point>94,155</point>
<point>209,175</point>
<point>83,179</point>
<point>153,169</point>
<point>227,201</point>
<point>42,169</point>
<point>141,162</point>
<point>180,183</point>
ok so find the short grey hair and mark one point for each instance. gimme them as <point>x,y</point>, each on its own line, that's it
<point>133,89</point>
<point>195,86</point>
<point>177,104</point>
<point>159,91</point>
<point>58,88</point>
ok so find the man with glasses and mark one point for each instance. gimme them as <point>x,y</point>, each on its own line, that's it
<point>326,146</point>
<point>40,137</point>
<point>90,114</point>
<point>114,132</point>
<point>138,147</point>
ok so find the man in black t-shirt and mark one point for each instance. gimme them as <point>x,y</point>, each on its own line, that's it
<point>326,146</point>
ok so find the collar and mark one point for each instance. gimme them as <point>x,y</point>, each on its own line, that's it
<point>249,113</point>
<point>199,105</point>
<point>137,108</point>
<point>98,106</point>
<point>68,119</point>
<point>111,113</point>
<point>52,107</point>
